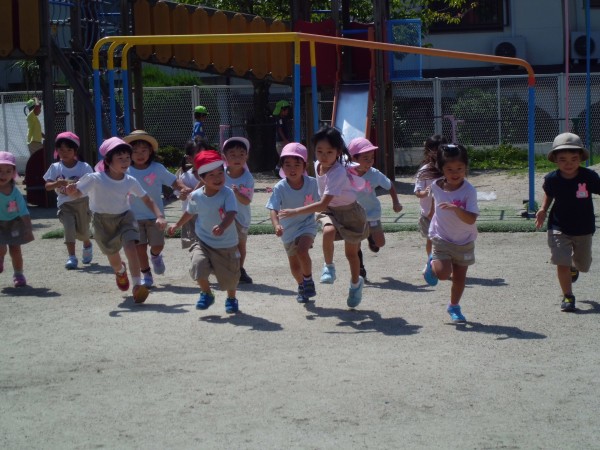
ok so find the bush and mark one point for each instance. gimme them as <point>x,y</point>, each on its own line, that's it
<point>170,157</point>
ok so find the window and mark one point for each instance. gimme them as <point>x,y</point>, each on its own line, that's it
<point>486,15</point>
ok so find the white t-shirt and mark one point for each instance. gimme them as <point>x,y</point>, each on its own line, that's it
<point>58,171</point>
<point>245,183</point>
<point>420,185</point>
<point>367,196</point>
<point>152,179</point>
<point>189,179</point>
<point>109,196</point>
<point>210,211</point>
<point>445,224</point>
<point>336,182</point>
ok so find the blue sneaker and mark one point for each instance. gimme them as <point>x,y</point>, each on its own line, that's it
<point>158,264</point>
<point>455,314</point>
<point>231,305</point>
<point>301,297</point>
<point>309,288</point>
<point>87,254</point>
<point>355,294</point>
<point>71,263</point>
<point>147,279</point>
<point>328,275</point>
<point>206,299</point>
<point>428,274</point>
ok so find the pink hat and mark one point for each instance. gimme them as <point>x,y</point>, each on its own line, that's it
<point>9,158</point>
<point>243,140</point>
<point>360,145</point>
<point>66,135</point>
<point>293,149</point>
<point>107,146</point>
<point>207,160</point>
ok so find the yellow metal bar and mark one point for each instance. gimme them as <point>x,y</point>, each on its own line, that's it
<point>110,61</point>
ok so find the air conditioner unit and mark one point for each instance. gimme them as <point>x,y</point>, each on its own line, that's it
<point>509,46</point>
<point>579,46</point>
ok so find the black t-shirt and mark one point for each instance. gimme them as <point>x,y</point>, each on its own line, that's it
<point>573,210</point>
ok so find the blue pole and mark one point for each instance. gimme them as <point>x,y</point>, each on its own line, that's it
<point>315,103</point>
<point>126,112</point>
<point>297,117</point>
<point>588,93</point>
<point>112,102</point>
<point>531,128</point>
<point>98,107</point>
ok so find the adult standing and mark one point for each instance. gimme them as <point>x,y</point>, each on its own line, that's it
<point>35,137</point>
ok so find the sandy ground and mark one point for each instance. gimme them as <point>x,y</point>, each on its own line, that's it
<point>82,366</point>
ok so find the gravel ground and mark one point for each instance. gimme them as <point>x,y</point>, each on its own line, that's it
<point>82,366</point>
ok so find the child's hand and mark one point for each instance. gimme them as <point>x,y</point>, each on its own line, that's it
<point>171,230</point>
<point>540,218</point>
<point>278,230</point>
<point>71,188</point>
<point>286,213</point>
<point>161,223</point>
<point>183,193</point>
<point>447,205</point>
<point>397,207</point>
<point>217,230</point>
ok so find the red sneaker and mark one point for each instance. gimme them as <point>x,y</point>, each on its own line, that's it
<point>122,280</point>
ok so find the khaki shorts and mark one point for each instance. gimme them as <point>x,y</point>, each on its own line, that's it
<point>188,233</point>
<point>12,232</point>
<point>350,222</point>
<point>570,251</point>
<point>224,263</point>
<point>150,234</point>
<point>75,217</point>
<point>461,255</point>
<point>424,223</point>
<point>34,146</point>
<point>111,231</point>
<point>242,233</point>
<point>291,248</point>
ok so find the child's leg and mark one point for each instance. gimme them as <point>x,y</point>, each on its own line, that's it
<point>142,254</point>
<point>304,245</point>
<point>428,247</point>
<point>442,268</point>
<point>353,260</point>
<point>459,278</point>
<point>378,238</point>
<point>204,285</point>
<point>242,250</point>
<point>70,248</point>
<point>564,279</point>
<point>17,258</point>
<point>130,249</point>
<point>231,293</point>
<point>328,243</point>
<point>115,262</point>
<point>295,268</point>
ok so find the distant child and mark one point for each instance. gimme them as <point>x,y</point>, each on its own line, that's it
<point>115,227</point>
<point>15,222</point>
<point>297,233</point>
<point>281,115</point>
<point>35,136</point>
<point>74,214</point>
<point>340,214</point>
<point>188,175</point>
<point>363,155</point>
<point>200,113</point>
<point>425,177</point>
<point>214,207</point>
<point>571,223</point>
<point>453,230</point>
<point>152,176</point>
<point>241,181</point>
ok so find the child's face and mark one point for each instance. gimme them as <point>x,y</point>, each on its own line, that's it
<point>214,180</point>
<point>66,154</point>
<point>568,163</point>
<point>455,173</point>
<point>326,154</point>
<point>236,157</point>
<point>119,163</point>
<point>365,160</point>
<point>7,172</point>
<point>140,153</point>
<point>293,168</point>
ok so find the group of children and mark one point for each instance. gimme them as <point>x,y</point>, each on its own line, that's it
<point>123,200</point>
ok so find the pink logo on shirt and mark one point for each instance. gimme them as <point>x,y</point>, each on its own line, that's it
<point>222,213</point>
<point>459,203</point>
<point>12,206</point>
<point>368,187</point>
<point>150,179</point>
<point>308,200</point>
<point>582,191</point>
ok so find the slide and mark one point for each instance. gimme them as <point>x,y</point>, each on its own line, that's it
<point>352,108</point>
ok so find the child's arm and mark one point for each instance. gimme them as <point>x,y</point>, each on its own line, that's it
<point>218,230</point>
<point>72,191</point>
<point>185,218</point>
<point>181,189</point>
<point>28,227</point>
<point>319,206</point>
<point>424,193</point>
<point>239,196</point>
<point>540,215</point>
<point>466,216</point>
<point>161,222</point>
<point>275,221</point>
<point>395,202</point>
<point>51,185</point>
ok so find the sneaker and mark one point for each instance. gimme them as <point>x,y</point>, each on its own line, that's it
<point>87,255</point>
<point>231,305</point>
<point>122,280</point>
<point>309,288</point>
<point>355,294</point>
<point>568,303</point>
<point>158,264</point>
<point>328,275</point>
<point>455,314</point>
<point>147,279</point>
<point>140,293</point>
<point>301,298</point>
<point>428,274</point>
<point>244,277</point>
<point>206,299</point>
<point>71,263</point>
<point>19,280</point>
<point>372,245</point>
<point>574,274</point>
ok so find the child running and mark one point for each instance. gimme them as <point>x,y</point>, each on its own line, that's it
<point>425,177</point>
<point>74,214</point>
<point>114,225</point>
<point>340,214</point>
<point>188,175</point>
<point>241,181</point>
<point>15,221</point>
<point>152,176</point>
<point>363,155</point>
<point>453,230</point>
<point>214,207</point>
<point>297,233</point>
<point>571,223</point>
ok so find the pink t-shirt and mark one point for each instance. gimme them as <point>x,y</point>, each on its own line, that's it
<point>445,224</point>
<point>336,182</point>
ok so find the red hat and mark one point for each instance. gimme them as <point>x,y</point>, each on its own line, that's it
<point>207,160</point>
